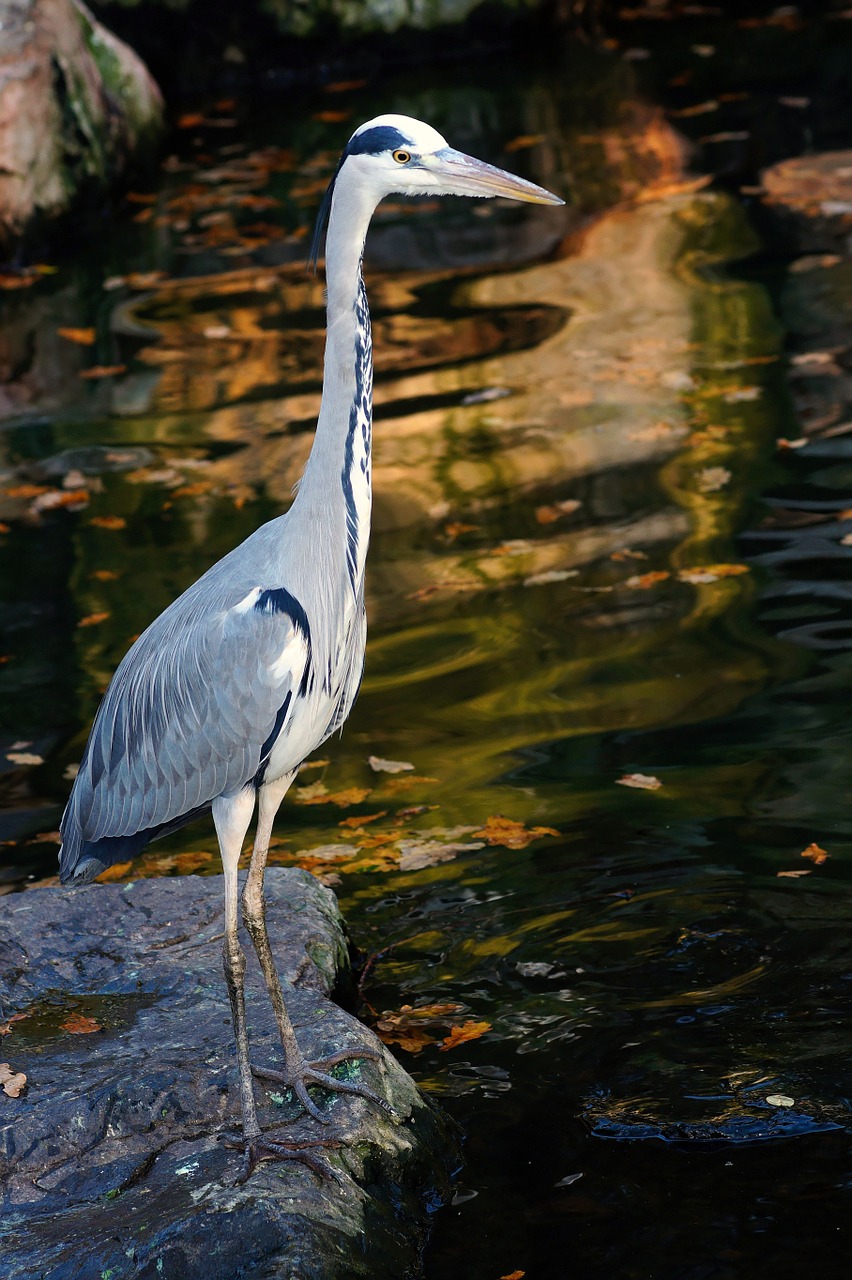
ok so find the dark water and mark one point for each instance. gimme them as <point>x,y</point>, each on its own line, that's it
<point>663,1087</point>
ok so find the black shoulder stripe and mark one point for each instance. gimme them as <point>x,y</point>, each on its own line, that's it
<point>279,600</point>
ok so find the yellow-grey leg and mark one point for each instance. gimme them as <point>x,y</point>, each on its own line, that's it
<point>232,817</point>
<point>298,1073</point>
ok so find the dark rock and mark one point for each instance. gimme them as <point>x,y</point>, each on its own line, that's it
<point>110,1159</point>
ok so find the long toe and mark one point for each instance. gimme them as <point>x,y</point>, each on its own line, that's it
<point>265,1147</point>
<point>304,1075</point>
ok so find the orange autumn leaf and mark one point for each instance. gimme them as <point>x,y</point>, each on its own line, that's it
<point>817,855</point>
<point>467,1031</point>
<point>77,1024</point>
<point>190,120</point>
<point>84,337</point>
<point>644,581</point>
<point>511,835</point>
<point>117,871</point>
<point>343,86</point>
<point>105,575</point>
<point>362,821</point>
<point>332,117</point>
<point>514,1275</point>
<point>103,371</point>
<point>92,619</point>
<point>108,522</point>
<point>523,141</point>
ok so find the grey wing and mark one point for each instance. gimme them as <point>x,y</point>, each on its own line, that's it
<point>191,714</point>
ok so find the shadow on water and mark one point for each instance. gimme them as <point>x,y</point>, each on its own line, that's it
<point>590,564</point>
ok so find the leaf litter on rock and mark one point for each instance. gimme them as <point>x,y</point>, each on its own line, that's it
<point>13,1082</point>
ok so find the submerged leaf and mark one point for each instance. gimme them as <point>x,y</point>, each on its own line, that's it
<point>77,1024</point>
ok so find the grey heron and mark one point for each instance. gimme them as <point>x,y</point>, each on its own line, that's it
<point>220,700</point>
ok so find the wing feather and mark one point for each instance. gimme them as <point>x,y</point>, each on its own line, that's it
<point>187,715</point>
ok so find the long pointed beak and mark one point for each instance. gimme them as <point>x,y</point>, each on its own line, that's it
<point>462,175</point>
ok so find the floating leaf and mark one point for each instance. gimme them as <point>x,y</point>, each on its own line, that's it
<point>467,1031</point>
<point>362,820</point>
<point>318,793</point>
<point>26,491</point>
<point>6,1027</point>
<point>77,1024</point>
<point>780,1100</point>
<point>516,1275</point>
<point>645,581</point>
<point>417,854</point>
<point>83,337</point>
<point>555,511</point>
<point>712,573</point>
<point>511,835</point>
<point>108,522</point>
<point>93,619</point>
<point>523,141</point>
<point>817,855</point>
<point>23,757</point>
<point>379,765</point>
<point>103,370</point>
<point>643,781</point>
<point>12,1081</point>
<point>792,875</point>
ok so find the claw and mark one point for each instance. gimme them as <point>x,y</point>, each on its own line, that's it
<point>303,1074</point>
<point>262,1148</point>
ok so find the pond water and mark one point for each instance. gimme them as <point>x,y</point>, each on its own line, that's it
<point>605,607</point>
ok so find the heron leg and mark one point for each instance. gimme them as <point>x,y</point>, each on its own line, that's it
<point>298,1073</point>
<point>232,817</point>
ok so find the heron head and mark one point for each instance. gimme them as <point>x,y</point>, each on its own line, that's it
<point>397,154</point>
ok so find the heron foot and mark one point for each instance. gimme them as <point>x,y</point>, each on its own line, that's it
<point>301,1075</point>
<point>265,1147</point>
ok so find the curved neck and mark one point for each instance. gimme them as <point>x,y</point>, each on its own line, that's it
<point>336,484</point>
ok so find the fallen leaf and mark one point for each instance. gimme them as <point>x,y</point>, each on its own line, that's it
<point>467,1031</point>
<point>817,855</point>
<point>84,337</point>
<point>12,1081</point>
<point>23,757</point>
<point>6,1027</point>
<point>26,491</point>
<point>77,1024</point>
<point>712,573</point>
<point>549,514</point>
<point>379,765</point>
<point>363,820</point>
<point>108,522</point>
<point>93,619</point>
<point>644,581</point>
<point>103,371</point>
<point>711,479</point>
<point>514,1275</point>
<point>343,86</point>
<point>331,117</point>
<point>780,1100</point>
<point>642,781</point>
<point>190,120</point>
<point>415,855</point>
<point>105,575</point>
<point>318,793</point>
<point>792,875</point>
<point>511,835</point>
<point>699,109</point>
<point>412,1028</point>
<point>457,527</point>
<point>523,141</point>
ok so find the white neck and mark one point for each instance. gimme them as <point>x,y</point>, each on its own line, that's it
<point>337,478</point>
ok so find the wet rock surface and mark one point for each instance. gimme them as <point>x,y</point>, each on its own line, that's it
<point>112,1160</point>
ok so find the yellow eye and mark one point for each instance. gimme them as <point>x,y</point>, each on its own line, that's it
<point>402,157</point>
